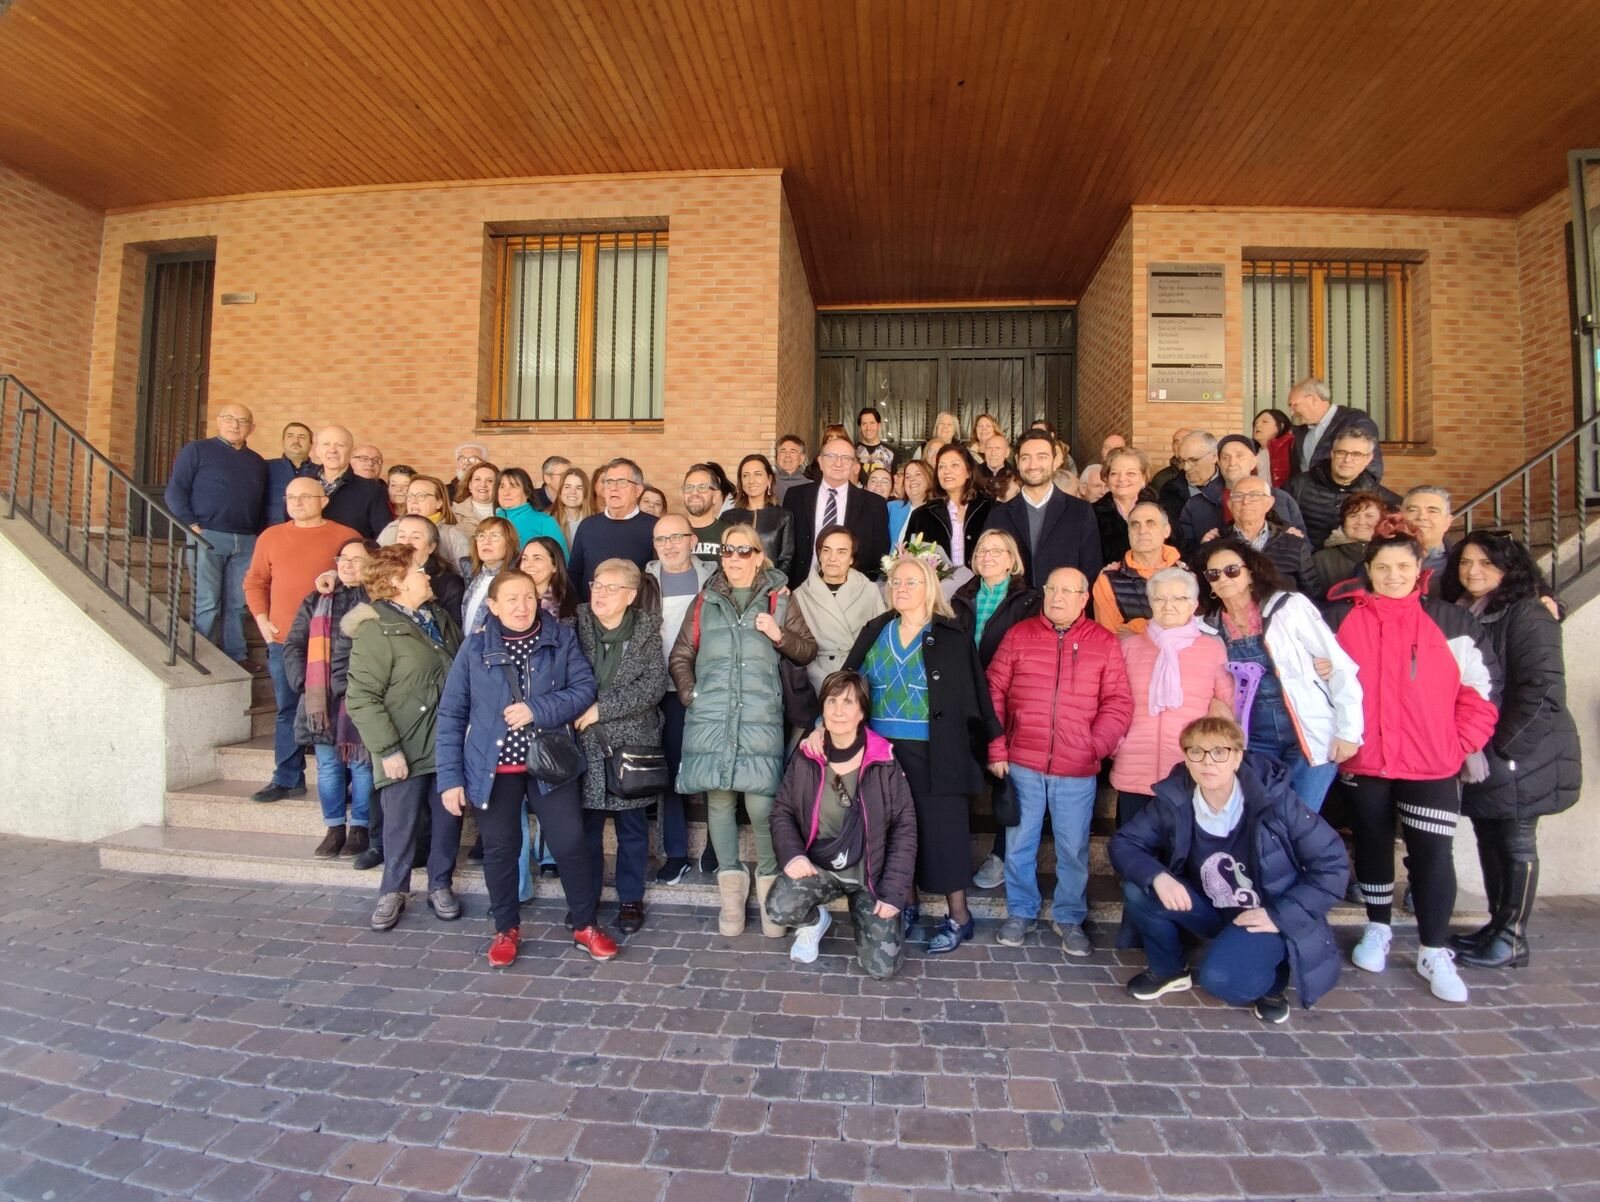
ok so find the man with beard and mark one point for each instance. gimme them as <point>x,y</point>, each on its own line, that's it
<point>1052,529</point>
<point>702,501</point>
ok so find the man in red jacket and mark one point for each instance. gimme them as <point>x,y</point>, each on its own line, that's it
<point>1061,693</point>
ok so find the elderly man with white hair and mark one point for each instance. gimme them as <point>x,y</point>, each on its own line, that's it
<point>1320,422</point>
<point>353,501</point>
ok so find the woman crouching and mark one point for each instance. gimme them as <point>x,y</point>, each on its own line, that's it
<point>844,825</point>
<point>1227,852</point>
<point>520,677</point>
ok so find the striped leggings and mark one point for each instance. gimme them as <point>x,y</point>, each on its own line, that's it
<point>1428,811</point>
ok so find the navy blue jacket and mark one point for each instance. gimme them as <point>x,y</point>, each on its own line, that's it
<point>1297,861</point>
<point>1069,538</point>
<point>1202,513</point>
<point>558,685</point>
<point>359,503</point>
<point>218,488</point>
<point>281,472</point>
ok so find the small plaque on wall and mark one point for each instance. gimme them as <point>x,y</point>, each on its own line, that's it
<point>1184,338</point>
<point>238,298</point>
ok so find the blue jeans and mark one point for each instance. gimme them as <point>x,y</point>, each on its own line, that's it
<point>333,777</point>
<point>633,850</point>
<point>1240,966</point>
<point>219,588</point>
<point>290,772</point>
<point>1275,737</point>
<point>1070,800</point>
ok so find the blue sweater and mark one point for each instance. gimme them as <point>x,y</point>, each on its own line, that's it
<point>281,472</point>
<point>531,523</point>
<point>600,538</point>
<point>218,488</point>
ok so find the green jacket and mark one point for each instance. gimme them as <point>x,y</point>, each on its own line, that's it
<point>395,678</point>
<point>733,734</point>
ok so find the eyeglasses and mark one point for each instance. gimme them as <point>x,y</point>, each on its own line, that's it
<point>366,459</point>
<point>1233,571</point>
<point>1249,496</point>
<point>347,561</point>
<point>228,419</point>
<point>422,496</point>
<point>1051,591</point>
<point>666,540</point>
<point>991,553</point>
<point>696,488</point>
<point>835,457</point>
<point>291,498</point>
<point>732,552</point>
<point>907,582</point>
<point>618,482</point>
<point>609,590</point>
<point>1217,755</point>
<point>1351,454</point>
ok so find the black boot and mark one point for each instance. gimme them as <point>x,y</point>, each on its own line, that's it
<point>1491,858</point>
<point>1507,947</point>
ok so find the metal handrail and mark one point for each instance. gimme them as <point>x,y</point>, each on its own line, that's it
<point>65,487</point>
<point>1521,481</point>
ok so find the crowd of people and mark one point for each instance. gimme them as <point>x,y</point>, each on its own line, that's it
<point>1256,645</point>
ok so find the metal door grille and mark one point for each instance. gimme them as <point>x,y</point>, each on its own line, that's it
<point>177,353</point>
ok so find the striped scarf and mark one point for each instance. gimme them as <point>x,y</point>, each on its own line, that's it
<point>319,667</point>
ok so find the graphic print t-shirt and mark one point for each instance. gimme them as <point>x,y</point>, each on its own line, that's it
<point>1219,868</point>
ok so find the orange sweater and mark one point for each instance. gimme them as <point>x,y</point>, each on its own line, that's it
<point>286,565</point>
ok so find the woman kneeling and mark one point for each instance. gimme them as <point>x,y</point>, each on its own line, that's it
<point>844,825</point>
<point>1225,851</point>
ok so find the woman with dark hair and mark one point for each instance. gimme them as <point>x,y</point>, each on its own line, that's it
<point>476,502</point>
<point>653,501</point>
<point>756,504</point>
<point>494,546</point>
<point>542,559</point>
<point>844,825</point>
<point>399,479</point>
<point>1342,555</point>
<point>422,536</point>
<point>1533,759</point>
<point>917,486</point>
<point>316,658</point>
<point>1126,472</point>
<point>1297,698</point>
<point>1274,434</point>
<point>1428,682</point>
<point>837,602</point>
<point>514,493</point>
<point>956,515</point>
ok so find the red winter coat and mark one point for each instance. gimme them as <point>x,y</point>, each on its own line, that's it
<point>1062,696</point>
<point>1428,684</point>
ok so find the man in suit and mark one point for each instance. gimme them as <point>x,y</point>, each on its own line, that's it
<point>353,501</point>
<point>1322,421</point>
<point>835,501</point>
<point>1053,529</point>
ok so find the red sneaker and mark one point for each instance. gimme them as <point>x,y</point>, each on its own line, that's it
<point>596,942</point>
<point>503,951</point>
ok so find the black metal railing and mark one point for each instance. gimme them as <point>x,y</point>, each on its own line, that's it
<point>122,537</point>
<point>1548,501</point>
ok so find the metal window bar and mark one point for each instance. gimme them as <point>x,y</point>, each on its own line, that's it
<point>43,486</point>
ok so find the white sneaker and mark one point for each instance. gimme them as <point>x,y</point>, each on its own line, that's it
<point>991,873</point>
<point>808,939</point>
<point>1438,967</point>
<point>1372,953</point>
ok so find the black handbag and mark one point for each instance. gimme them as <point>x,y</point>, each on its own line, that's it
<point>1003,800</point>
<point>636,770</point>
<point>554,757</point>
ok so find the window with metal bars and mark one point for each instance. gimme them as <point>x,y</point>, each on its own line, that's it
<point>580,326</point>
<point>1347,320</point>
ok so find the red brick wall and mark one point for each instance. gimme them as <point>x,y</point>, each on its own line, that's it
<point>49,254</point>
<point>1546,320</point>
<point>1105,338</point>
<point>370,310</point>
<point>1468,369</point>
<point>797,337</point>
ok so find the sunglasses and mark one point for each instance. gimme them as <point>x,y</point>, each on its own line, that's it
<point>1232,572</point>
<point>729,552</point>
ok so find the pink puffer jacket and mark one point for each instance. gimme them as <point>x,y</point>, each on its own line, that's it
<point>1150,750</point>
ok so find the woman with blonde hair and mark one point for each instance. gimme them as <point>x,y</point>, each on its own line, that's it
<point>494,546</point>
<point>946,430</point>
<point>984,427</point>
<point>426,497</point>
<point>931,700</point>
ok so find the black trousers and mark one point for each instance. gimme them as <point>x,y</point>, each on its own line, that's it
<point>560,815</point>
<point>1129,805</point>
<point>1513,838</point>
<point>405,806</point>
<point>1428,811</point>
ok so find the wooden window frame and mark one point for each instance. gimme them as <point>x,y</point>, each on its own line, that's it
<point>588,247</point>
<point>1317,271</point>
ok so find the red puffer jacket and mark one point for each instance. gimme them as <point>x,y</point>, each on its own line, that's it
<point>1062,696</point>
<point>1429,683</point>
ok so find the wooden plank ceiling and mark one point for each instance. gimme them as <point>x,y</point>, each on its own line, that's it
<point>933,149</point>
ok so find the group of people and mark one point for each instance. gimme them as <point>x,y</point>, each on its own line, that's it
<point>856,650</point>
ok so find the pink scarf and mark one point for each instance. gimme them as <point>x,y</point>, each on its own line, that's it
<point>1166,679</point>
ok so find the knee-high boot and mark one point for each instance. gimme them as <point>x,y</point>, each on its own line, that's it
<point>1507,945</point>
<point>1492,860</point>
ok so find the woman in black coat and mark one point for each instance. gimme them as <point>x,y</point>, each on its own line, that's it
<point>755,503</point>
<point>960,496</point>
<point>1532,763</point>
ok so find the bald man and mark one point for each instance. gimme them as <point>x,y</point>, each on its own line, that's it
<point>1059,720</point>
<point>218,488</point>
<point>353,501</point>
<point>366,461</point>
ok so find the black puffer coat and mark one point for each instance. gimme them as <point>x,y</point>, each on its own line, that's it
<point>1319,498</point>
<point>1535,766</point>
<point>1019,602</point>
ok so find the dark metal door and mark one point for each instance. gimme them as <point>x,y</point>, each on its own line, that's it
<point>176,360</point>
<point>1583,168</point>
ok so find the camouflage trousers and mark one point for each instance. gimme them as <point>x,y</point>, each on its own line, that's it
<point>880,945</point>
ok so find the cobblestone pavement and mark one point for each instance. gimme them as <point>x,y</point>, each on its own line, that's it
<point>161,1038</point>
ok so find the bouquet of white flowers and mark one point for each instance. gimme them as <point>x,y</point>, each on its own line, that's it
<point>918,549</point>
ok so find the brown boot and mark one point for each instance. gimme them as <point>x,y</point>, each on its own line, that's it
<point>332,844</point>
<point>768,928</point>
<point>734,885</point>
<point>356,842</point>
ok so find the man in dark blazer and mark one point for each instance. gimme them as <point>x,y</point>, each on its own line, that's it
<point>1052,529</point>
<point>861,512</point>
<point>353,501</point>
<point>1321,422</point>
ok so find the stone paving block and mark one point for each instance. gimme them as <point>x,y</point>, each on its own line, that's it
<point>439,1170</point>
<point>770,1156</point>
